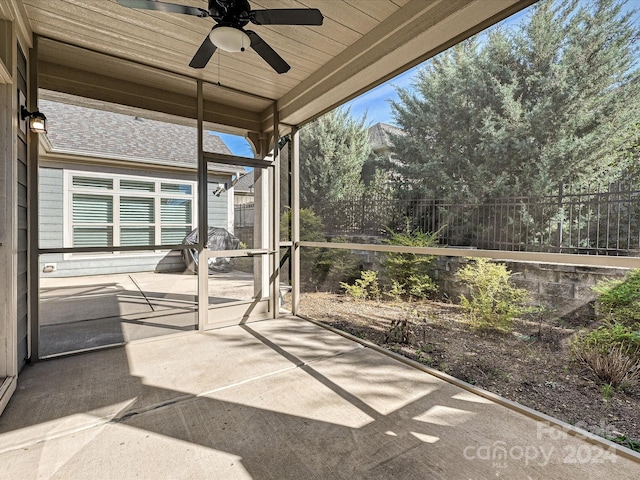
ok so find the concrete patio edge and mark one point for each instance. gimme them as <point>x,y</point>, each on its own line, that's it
<point>7,387</point>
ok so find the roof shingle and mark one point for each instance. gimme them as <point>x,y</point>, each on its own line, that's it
<point>76,129</point>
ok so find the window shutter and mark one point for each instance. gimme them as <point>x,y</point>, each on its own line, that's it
<point>175,211</point>
<point>95,236</point>
<point>137,186</point>
<point>131,236</point>
<point>90,182</point>
<point>136,210</point>
<point>183,189</point>
<point>174,235</point>
<point>92,209</point>
<point>176,218</point>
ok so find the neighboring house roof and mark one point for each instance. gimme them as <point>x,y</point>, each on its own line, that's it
<point>245,184</point>
<point>380,138</point>
<point>74,129</point>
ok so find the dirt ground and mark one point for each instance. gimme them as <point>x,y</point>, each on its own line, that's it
<point>531,365</point>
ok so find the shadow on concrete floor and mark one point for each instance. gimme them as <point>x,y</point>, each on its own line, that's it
<point>78,313</point>
<point>278,399</point>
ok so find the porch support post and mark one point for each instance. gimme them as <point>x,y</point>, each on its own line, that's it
<point>33,269</point>
<point>295,220</point>
<point>203,227</point>
<point>274,271</point>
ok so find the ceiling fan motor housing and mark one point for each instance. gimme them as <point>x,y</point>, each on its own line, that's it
<point>233,13</point>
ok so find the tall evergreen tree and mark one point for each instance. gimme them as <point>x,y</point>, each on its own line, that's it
<point>333,149</point>
<point>518,110</point>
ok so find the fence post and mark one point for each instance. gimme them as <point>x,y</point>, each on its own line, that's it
<point>560,221</point>
<point>363,213</point>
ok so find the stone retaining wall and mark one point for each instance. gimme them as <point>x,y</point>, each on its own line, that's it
<point>564,289</point>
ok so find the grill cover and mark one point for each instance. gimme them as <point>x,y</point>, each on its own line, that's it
<point>219,239</point>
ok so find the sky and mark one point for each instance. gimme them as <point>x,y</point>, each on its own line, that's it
<point>376,102</point>
<point>238,145</point>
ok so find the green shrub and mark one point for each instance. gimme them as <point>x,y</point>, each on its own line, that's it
<point>494,302</point>
<point>311,226</point>
<point>411,272</point>
<point>364,288</point>
<point>619,300</point>
<point>319,267</point>
<point>396,290</point>
<point>611,352</point>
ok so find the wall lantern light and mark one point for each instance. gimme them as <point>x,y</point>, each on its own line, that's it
<point>37,120</point>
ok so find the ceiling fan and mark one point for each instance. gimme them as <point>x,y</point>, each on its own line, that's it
<point>229,34</point>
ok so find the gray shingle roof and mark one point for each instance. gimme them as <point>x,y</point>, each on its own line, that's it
<point>77,129</point>
<point>245,184</point>
<point>379,136</point>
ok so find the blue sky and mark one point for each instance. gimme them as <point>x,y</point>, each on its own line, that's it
<point>238,145</point>
<point>376,102</point>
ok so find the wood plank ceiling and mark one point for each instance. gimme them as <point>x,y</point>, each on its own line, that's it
<point>101,50</point>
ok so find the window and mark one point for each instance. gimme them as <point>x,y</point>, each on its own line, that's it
<point>129,211</point>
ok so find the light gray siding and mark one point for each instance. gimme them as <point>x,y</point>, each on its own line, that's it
<point>23,228</point>
<point>50,206</point>
<point>218,208</point>
<point>80,265</point>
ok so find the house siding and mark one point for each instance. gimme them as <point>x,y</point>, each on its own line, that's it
<point>217,206</point>
<point>22,279</point>
<point>51,207</point>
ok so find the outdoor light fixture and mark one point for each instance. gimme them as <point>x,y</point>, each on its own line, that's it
<point>37,120</point>
<point>229,39</point>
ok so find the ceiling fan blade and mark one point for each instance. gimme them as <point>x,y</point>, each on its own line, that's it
<point>204,54</point>
<point>269,55</point>
<point>164,7</point>
<point>287,16</point>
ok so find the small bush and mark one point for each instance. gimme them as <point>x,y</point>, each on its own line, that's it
<point>396,290</point>
<point>619,300</point>
<point>319,267</point>
<point>402,328</point>
<point>612,353</point>
<point>364,288</point>
<point>493,302</point>
<point>412,271</point>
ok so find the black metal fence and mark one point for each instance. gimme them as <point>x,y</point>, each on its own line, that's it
<point>243,223</point>
<point>603,220</point>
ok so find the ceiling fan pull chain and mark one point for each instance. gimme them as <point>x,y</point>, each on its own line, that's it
<point>219,53</point>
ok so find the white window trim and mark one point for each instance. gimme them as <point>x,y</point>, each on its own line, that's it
<point>116,192</point>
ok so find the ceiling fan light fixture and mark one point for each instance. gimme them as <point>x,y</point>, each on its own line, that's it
<point>230,39</point>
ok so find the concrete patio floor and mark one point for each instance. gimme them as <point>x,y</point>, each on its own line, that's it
<point>276,399</point>
<point>78,313</point>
